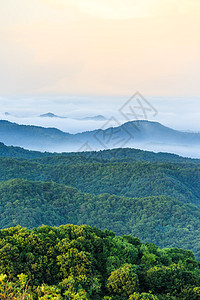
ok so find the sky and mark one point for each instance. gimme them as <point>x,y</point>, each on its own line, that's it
<point>66,56</point>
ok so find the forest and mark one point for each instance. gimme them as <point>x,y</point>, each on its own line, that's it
<point>81,262</point>
<point>152,196</point>
<point>115,224</point>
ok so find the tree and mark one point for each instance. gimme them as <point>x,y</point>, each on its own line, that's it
<point>142,296</point>
<point>123,281</point>
<point>14,290</point>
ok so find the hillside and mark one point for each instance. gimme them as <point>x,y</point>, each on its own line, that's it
<point>18,152</point>
<point>179,180</point>
<point>120,154</point>
<point>162,220</point>
<point>80,262</point>
<point>152,196</point>
<point>34,137</point>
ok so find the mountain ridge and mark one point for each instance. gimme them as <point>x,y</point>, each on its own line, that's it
<point>121,154</point>
<point>145,135</point>
<point>55,204</point>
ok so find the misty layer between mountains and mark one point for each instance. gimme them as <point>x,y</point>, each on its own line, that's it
<point>76,114</point>
<point>144,135</point>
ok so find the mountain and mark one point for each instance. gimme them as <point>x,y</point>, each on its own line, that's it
<point>95,118</point>
<point>133,179</point>
<point>147,136</point>
<point>160,219</point>
<point>17,152</point>
<point>119,155</point>
<point>34,137</point>
<point>92,118</point>
<point>144,135</point>
<point>51,115</point>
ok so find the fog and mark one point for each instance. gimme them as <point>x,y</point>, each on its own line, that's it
<point>177,113</point>
<point>191,152</point>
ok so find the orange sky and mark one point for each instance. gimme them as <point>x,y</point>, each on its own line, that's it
<point>104,47</point>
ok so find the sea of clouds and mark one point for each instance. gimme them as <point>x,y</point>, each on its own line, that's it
<point>177,113</point>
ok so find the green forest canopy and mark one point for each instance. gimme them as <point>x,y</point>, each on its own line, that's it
<point>152,196</point>
<point>81,262</point>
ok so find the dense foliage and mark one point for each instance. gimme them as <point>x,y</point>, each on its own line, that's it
<point>180,180</point>
<point>159,219</point>
<point>152,196</point>
<point>80,262</point>
<point>17,152</point>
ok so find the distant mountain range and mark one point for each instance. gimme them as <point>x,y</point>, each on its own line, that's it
<point>135,134</point>
<point>52,115</point>
<point>92,118</point>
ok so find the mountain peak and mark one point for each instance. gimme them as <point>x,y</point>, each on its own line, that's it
<point>49,115</point>
<point>95,118</point>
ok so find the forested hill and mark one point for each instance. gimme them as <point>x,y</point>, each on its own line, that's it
<point>162,220</point>
<point>121,154</point>
<point>153,196</point>
<point>80,262</point>
<point>18,152</point>
<point>180,180</point>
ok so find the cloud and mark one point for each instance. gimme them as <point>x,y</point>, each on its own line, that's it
<point>177,113</point>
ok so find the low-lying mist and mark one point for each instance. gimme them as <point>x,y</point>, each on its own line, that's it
<point>178,113</point>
